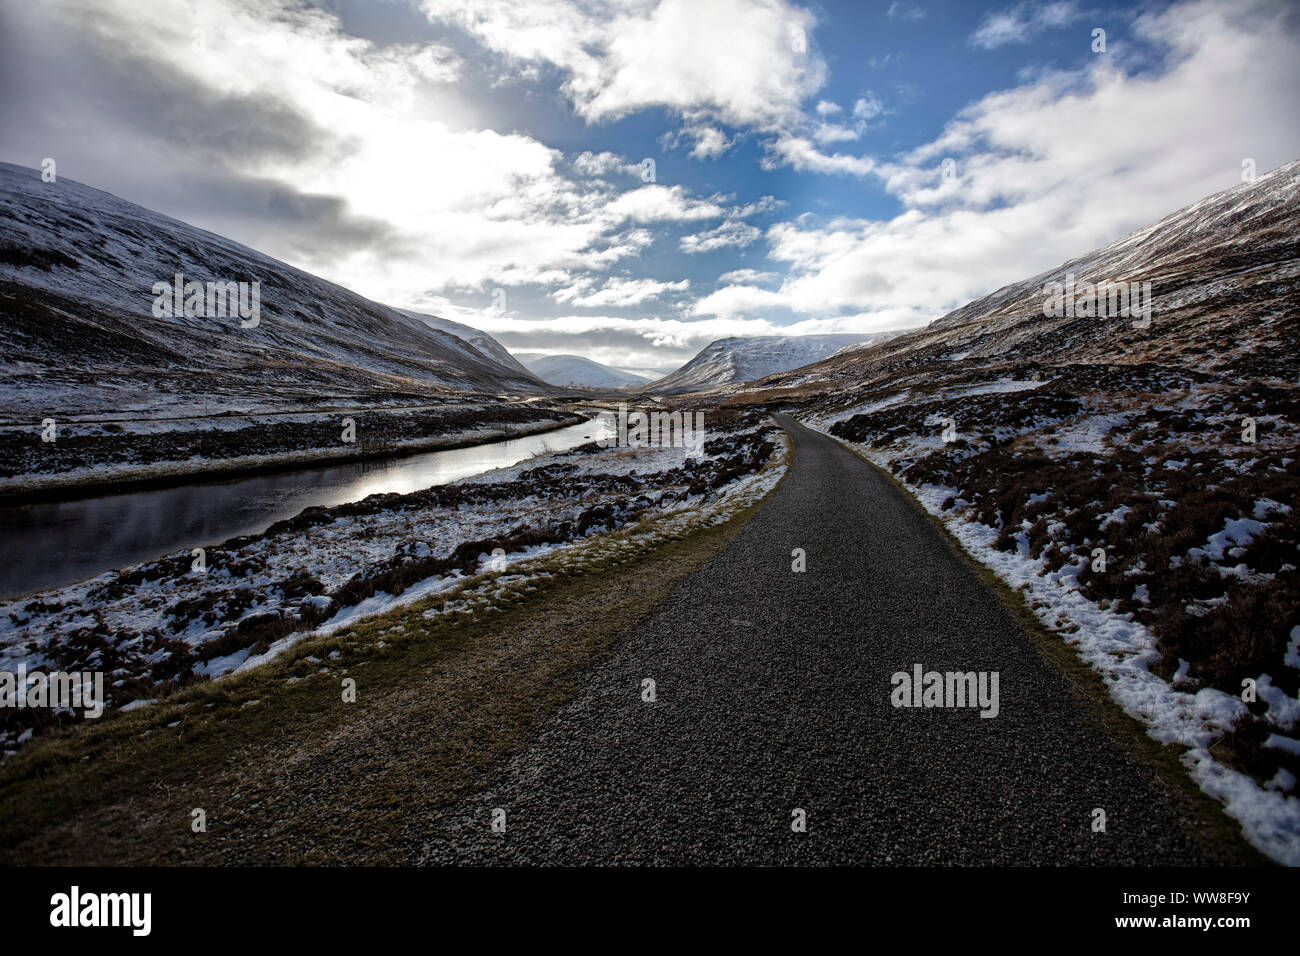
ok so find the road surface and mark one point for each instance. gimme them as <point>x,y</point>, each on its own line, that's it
<point>773,695</point>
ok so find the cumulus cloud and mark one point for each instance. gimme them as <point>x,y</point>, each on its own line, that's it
<point>710,142</point>
<point>656,203</point>
<point>602,164</point>
<point>867,107</point>
<point>705,141</point>
<point>800,153</point>
<point>321,148</point>
<point>743,64</point>
<point>746,277</point>
<point>747,62</point>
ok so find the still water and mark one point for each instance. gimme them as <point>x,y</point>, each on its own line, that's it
<point>50,544</point>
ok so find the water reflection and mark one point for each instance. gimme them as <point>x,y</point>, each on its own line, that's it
<point>45,545</point>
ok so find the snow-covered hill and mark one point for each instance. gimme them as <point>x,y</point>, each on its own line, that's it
<point>575,370</point>
<point>732,360</point>
<point>480,340</point>
<point>78,331</point>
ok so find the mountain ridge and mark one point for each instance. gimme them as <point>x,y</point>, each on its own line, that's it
<point>77,270</point>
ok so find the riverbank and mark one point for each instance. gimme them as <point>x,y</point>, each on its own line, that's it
<point>90,458</point>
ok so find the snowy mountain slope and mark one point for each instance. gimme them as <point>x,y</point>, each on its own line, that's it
<point>732,360</point>
<point>1247,230</point>
<point>1225,283</point>
<point>481,342</point>
<point>576,370</point>
<point>77,269</point>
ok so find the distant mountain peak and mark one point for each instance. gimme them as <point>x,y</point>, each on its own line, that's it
<point>576,370</point>
<point>739,359</point>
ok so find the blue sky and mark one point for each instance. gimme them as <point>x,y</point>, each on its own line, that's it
<point>485,161</point>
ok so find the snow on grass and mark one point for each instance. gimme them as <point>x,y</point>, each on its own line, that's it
<point>533,561</point>
<point>1231,541</point>
<point>1088,434</point>
<point>997,387</point>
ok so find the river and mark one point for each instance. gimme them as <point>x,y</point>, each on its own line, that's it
<point>46,545</point>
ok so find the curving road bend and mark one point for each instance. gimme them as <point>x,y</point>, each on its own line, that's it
<point>773,693</point>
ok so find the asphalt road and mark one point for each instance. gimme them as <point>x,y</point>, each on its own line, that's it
<point>773,693</point>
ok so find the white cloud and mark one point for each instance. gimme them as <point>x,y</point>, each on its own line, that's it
<point>441,207</point>
<point>1025,20</point>
<point>902,10</point>
<point>826,133</point>
<point>746,62</point>
<point>658,203</point>
<point>604,163</point>
<point>746,277</point>
<point>619,293</point>
<point>709,142</point>
<point>732,232</point>
<point>705,141</point>
<point>799,153</point>
<point>868,107</point>
<point>761,205</point>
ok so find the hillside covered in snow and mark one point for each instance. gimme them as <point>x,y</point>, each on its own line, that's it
<point>744,359</point>
<point>483,343</point>
<point>86,331</point>
<point>563,370</point>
